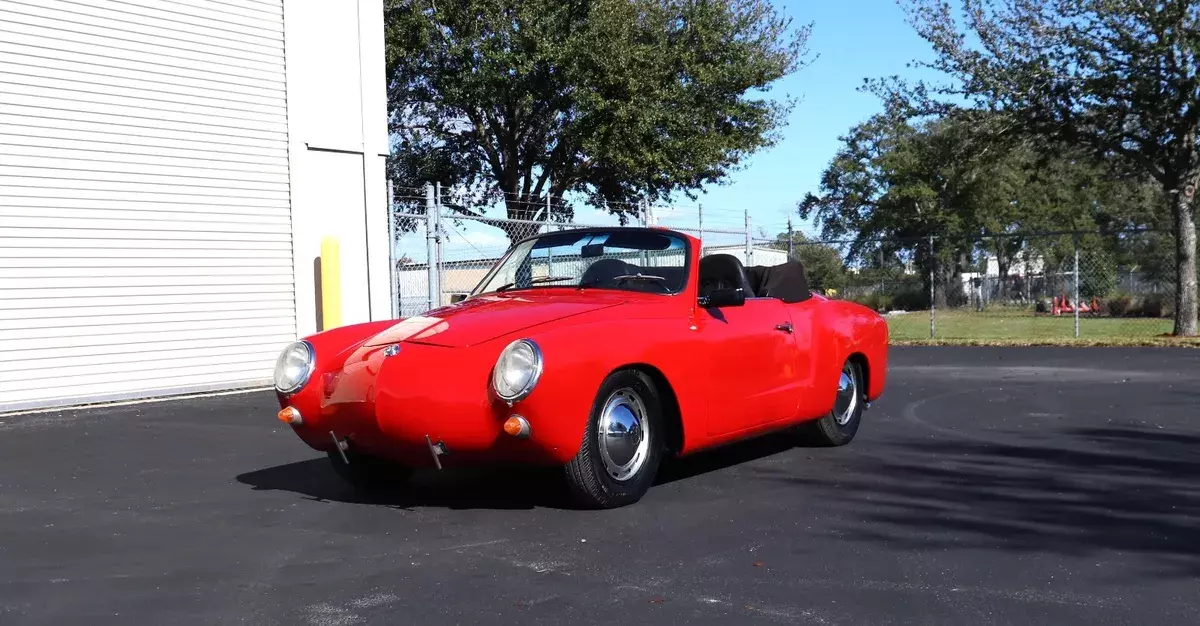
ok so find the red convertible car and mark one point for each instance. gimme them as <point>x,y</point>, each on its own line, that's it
<point>597,350</point>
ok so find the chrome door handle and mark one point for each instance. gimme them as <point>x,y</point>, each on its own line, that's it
<point>785,327</point>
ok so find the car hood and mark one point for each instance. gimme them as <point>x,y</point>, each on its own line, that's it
<point>483,318</point>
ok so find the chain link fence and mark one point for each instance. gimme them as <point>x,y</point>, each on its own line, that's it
<point>1010,288</point>
<point>463,244</point>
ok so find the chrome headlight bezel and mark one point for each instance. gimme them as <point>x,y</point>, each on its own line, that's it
<point>535,376</point>
<point>311,360</point>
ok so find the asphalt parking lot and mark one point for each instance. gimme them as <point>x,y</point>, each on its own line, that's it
<point>988,486</point>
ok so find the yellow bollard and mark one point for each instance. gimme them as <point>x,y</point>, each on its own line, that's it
<point>331,284</point>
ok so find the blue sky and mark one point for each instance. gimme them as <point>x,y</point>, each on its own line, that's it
<point>851,40</point>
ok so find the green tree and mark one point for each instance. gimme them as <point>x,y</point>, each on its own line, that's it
<point>614,101</point>
<point>957,177</point>
<point>894,183</point>
<point>1121,77</point>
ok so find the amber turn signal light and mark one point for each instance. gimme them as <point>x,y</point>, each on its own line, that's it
<point>289,415</point>
<point>517,426</point>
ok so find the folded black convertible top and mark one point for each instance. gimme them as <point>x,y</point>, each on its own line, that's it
<point>785,281</point>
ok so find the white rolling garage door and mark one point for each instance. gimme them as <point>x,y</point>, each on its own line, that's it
<point>145,231</point>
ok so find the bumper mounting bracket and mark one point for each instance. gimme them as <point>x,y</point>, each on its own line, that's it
<point>436,450</point>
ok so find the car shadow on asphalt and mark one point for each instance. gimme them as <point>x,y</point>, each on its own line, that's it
<point>452,488</point>
<point>1080,492</point>
<point>510,488</point>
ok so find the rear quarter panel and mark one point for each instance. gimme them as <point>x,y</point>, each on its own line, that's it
<point>850,329</point>
<point>578,357</point>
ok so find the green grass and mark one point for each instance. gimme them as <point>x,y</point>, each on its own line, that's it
<point>1017,327</point>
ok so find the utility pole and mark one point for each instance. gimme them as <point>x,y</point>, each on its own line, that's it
<point>791,244</point>
<point>749,249</point>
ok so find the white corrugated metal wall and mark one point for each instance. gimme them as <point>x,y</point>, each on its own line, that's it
<point>145,225</point>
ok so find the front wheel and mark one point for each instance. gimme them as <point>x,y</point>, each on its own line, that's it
<point>839,426</point>
<point>622,445</point>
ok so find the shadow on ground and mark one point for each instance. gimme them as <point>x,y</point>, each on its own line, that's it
<point>452,488</point>
<point>1117,489</point>
<point>489,488</point>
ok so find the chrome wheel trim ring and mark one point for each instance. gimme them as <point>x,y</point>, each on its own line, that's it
<point>847,395</point>
<point>623,435</point>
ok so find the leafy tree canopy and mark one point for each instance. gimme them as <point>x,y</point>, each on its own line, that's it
<point>895,182</point>
<point>614,101</point>
<point>902,180</point>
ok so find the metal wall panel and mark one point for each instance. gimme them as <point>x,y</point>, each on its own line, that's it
<point>145,221</point>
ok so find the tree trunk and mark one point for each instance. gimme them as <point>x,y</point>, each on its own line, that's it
<point>519,208</point>
<point>945,283</point>
<point>1185,258</point>
<point>999,291</point>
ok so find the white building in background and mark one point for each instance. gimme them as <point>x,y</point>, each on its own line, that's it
<point>758,255</point>
<point>167,174</point>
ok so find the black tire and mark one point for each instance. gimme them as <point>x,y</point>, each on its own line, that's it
<point>828,431</point>
<point>592,483</point>
<point>368,472</point>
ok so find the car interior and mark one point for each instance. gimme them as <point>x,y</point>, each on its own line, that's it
<point>723,271</point>
<point>785,281</point>
<point>605,273</point>
<point>717,271</point>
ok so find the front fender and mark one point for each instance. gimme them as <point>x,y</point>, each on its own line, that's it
<point>331,348</point>
<point>579,357</point>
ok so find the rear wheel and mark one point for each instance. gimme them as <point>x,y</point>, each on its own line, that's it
<point>368,472</point>
<point>841,424</point>
<point>622,445</point>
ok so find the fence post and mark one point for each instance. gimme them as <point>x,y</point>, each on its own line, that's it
<point>749,252</point>
<point>549,251</point>
<point>932,290</point>
<point>437,239</point>
<point>431,279</point>
<point>1076,306</point>
<point>391,217</point>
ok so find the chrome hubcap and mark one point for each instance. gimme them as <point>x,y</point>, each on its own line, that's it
<point>624,435</point>
<point>847,396</point>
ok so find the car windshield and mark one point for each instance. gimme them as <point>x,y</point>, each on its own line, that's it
<point>629,259</point>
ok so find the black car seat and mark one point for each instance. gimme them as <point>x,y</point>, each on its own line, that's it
<point>603,271</point>
<point>723,271</point>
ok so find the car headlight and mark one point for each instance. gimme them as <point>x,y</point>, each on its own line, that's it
<point>517,370</point>
<point>293,367</point>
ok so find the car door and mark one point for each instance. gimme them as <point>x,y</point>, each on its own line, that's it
<point>751,364</point>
